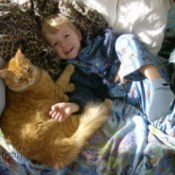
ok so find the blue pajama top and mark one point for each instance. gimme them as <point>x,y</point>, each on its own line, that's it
<point>103,55</point>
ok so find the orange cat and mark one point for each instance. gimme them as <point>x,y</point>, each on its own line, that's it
<point>25,121</point>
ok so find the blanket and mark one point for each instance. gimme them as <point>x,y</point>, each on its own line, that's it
<point>127,144</point>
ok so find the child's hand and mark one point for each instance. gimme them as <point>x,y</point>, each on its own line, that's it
<point>118,76</point>
<point>61,111</point>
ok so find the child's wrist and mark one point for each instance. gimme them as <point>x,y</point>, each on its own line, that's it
<point>75,108</point>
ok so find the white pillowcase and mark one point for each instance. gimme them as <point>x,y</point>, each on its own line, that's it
<point>2,89</point>
<point>145,18</point>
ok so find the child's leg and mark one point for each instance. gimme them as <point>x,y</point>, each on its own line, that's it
<point>150,72</point>
<point>161,95</point>
<point>137,64</point>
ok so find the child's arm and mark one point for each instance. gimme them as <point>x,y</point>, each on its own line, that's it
<point>88,88</point>
<point>118,76</point>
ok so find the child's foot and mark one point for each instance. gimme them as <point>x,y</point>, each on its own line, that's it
<point>161,99</point>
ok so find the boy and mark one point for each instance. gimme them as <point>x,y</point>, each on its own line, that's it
<point>125,58</point>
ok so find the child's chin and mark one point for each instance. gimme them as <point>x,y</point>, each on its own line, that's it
<point>71,57</point>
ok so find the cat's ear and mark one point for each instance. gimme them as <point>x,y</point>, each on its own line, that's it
<point>4,73</point>
<point>19,56</point>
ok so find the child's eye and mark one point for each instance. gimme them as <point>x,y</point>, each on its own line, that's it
<point>55,44</point>
<point>66,36</point>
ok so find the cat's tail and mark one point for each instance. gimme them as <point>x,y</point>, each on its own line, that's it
<point>91,120</point>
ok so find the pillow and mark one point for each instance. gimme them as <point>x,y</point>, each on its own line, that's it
<point>2,89</point>
<point>171,21</point>
<point>147,19</point>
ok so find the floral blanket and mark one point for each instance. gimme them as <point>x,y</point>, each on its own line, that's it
<point>126,145</point>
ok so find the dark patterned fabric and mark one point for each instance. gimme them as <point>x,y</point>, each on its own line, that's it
<point>88,20</point>
<point>20,28</point>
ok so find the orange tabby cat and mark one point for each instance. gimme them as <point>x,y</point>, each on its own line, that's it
<point>25,121</point>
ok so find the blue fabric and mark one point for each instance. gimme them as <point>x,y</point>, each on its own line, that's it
<point>97,58</point>
<point>88,88</point>
<point>161,99</point>
<point>125,145</point>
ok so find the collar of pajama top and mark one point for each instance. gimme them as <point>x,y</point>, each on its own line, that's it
<point>94,59</point>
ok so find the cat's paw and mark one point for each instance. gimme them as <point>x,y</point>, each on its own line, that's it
<point>70,68</point>
<point>65,98</point>
<point>70,87</point>
<point>108,103</point>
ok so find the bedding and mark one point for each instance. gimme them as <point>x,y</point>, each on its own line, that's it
<point>146,19</point>
<point>125,145</point>
<point>2,89</point>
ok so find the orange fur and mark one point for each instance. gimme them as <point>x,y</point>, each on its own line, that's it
<point>25,121</point>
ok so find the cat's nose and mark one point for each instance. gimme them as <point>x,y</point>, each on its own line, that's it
<point>30,79</point>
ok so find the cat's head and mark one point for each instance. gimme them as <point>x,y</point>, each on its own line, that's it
<point>19,73</point>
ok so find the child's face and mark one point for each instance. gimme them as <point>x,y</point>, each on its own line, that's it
<point>66,42</point>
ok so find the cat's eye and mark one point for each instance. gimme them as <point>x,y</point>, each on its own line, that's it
<point>27,69</point>
<point>20,79</point>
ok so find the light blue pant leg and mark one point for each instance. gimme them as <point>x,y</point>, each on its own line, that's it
<point>133,55</point>
<point>2,89</point>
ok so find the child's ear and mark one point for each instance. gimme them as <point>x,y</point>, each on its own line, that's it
<point>79,34</point>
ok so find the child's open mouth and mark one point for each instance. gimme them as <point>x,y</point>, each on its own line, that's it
<point>69,51</point>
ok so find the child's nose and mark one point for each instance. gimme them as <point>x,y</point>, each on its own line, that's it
<point>63,44</point>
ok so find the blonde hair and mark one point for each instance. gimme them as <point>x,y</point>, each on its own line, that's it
<point>53,23</point>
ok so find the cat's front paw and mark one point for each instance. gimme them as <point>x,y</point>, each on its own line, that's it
<point>70,87</point>
<point>65,98</point>
<point>70,68</point>
<point>108,103</point>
